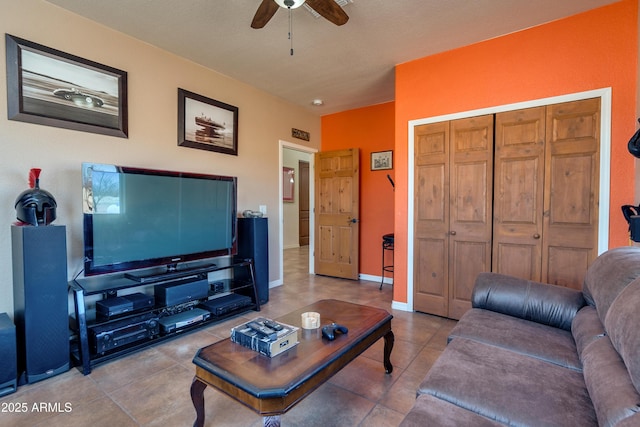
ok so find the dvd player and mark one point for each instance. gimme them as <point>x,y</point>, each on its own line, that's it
<point>226,304</point>
<point>175,322</point>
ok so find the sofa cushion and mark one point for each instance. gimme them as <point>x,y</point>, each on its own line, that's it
<point>586,328</point>
<point>623,327</point>
<point>539,302</point>
<point>431,411</point>
<point>533,339</point>
<point>509,387</point>
<point>608,275</point>
<point>614,397</point>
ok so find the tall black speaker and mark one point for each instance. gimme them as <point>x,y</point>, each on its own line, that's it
<point>40,301</point>
<point>8,373</point>
<point>253,242</point>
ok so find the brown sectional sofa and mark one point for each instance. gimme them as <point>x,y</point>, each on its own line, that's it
<point>533,354</point>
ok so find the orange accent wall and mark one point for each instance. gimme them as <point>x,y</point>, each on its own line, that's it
<point>370,129</point>
<point>591,50</point>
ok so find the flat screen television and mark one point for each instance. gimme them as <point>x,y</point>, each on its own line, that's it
<point>138,218</point>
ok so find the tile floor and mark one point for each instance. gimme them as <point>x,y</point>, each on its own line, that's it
<point>151,387</point>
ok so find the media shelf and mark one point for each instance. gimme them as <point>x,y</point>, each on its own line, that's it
<point>187,300</point>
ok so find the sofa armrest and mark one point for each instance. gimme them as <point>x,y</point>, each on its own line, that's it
<point>539,302</point>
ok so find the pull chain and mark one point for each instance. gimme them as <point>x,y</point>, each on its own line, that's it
<point>291,30</point>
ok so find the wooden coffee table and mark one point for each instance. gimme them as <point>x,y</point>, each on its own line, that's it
<point>272,386</point>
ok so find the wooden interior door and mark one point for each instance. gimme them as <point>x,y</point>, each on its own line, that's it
<point>431,219</point>
<point>571,192</point>
<point>518,193</point>
<point>303,203</point>
<point>337,178</point>
<point>471,186</point>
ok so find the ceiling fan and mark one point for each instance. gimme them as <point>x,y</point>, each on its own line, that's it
<point>328,9</point>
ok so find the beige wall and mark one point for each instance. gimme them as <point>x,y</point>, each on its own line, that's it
<point>154,76</point>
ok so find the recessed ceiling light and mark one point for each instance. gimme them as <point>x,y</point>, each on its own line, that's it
<point>317,102</point>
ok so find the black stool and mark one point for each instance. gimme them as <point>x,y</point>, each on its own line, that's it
<point>387,245</point>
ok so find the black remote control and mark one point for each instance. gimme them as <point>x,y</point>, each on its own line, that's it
<point>273,325</point>
<point>263,330</point>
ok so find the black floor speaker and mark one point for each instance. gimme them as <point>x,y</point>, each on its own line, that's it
<point>40,301</point>
<point>253,242</point>
<point>8,369</point>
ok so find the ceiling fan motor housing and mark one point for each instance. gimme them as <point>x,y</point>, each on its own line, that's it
<point>290,4</point>
<point>328,9</point>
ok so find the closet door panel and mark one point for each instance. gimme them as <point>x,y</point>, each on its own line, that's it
<point>469,258</point>
<point>518,193</point>
<point>471,208</point>
<point>431,293</point>
<point>431,219</point>
<point>570,228</point>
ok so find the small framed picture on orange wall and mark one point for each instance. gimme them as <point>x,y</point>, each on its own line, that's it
<point>382,160</point>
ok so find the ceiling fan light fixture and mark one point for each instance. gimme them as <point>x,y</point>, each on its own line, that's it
<point>290,4</point>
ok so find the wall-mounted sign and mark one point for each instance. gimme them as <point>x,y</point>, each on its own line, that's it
<point>300,134</point>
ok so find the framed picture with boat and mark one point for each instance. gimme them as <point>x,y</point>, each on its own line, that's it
<point>207,124</point>
<point>53,88</point>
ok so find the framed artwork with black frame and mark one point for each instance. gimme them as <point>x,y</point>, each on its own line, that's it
<point>207,124</point>
<point>382,160</point>
<point>50,87</point>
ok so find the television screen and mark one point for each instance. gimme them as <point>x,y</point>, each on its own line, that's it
<point>136,218</point>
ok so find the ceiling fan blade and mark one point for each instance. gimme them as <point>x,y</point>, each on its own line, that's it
<point>329,10</point>
<point>265,12</point>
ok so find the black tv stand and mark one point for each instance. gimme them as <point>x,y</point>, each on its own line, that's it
<point>239,279</point>
<point>171,273</point>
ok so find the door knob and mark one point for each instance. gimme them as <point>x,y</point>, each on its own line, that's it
<point>536,236</point>
<point>352,220</point>
<point>453,233</point>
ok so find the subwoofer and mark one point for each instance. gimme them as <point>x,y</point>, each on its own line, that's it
<point>253,242</point>
<point>40,301</point>
<point>8,370</point>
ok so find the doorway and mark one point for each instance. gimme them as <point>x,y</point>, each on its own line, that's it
<point>291,156</point>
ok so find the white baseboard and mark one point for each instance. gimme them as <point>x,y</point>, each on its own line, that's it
<point>402,306</point>
<point>372,278</point>
<point>275,283</point>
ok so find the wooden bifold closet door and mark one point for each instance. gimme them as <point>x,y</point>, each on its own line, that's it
<point>522,201</point>
<point>453,184</point>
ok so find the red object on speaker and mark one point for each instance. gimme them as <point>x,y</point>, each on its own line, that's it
<point>35,206</point>
<point>34,177</point>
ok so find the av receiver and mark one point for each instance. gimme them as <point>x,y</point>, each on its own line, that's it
<point>226,304</point>
<point>116,334</point>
